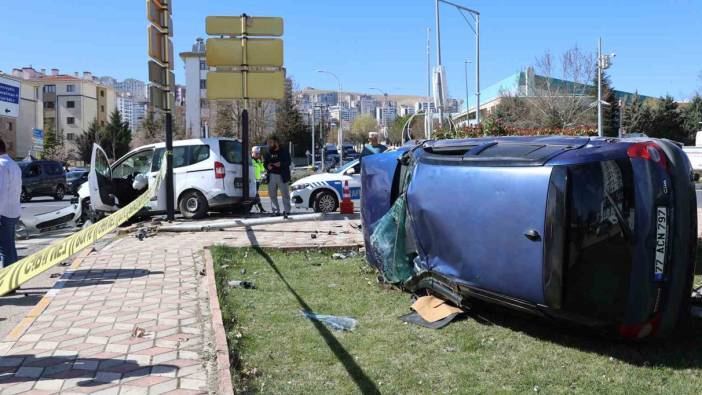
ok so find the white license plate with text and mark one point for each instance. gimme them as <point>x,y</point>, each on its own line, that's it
<point>661,238</point>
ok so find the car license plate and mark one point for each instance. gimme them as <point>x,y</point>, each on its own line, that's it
<point>661,238</point>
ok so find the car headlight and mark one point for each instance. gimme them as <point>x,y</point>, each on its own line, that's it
<point>299,186</point>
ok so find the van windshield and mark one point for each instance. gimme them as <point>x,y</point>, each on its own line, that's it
<point>599,249</point>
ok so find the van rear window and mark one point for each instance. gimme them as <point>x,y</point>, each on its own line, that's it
<point>599,249</point>
<point>230,151</point>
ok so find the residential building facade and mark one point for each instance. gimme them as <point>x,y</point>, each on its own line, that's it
<point>16,126</point>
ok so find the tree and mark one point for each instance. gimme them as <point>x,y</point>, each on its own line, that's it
<point>225,124</point>
<point>290,125</point>
<point>667,121</point>
<point>636,116</point>
<point>151,130</point>
<point>395,129</point>
<point>560,99</point>
<point>84,142</point>
<point>692,115</point>
<point>53,145</point>
<point>360,128</point>
<point>515,113</point>
<point>116,137</point>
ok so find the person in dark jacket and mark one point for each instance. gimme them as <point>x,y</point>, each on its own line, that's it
<point>277,163</point>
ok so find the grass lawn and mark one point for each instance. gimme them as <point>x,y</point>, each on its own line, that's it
<point>276,350</point>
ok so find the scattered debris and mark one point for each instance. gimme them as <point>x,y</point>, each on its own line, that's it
<point>433,310</point>
<point>242,271</point>
<point>241,284</point>
<point>314,236</point>
<point>332,321</point>
<point>339,255</point>
<point>202,272</point>
<point>55,275</point>
<point>224,266</point>
<point>138,331</point>
<point>416,319</point>
<point>65,263</point>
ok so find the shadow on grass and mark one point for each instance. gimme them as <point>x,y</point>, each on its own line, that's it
<point>682,350</point>
<point>364,383</point>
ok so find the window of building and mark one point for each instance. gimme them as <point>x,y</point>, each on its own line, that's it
<point>48,104</point>
<point>9,126</point>
<point>70,88</point>
<point>203,84</point>
<point>70,104</point>
<point>70,121</point>
<point>203,65</point>
<point>102,123</point>
<point>70,136</point>
<point>102,108</point>
<point>50,88</point>
<point>102,93</point>
<point>204,103</point>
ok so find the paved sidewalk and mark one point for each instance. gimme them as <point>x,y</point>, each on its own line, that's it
<point>83,342</point>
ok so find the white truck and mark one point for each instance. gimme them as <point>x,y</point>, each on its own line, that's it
<point>695,155</point>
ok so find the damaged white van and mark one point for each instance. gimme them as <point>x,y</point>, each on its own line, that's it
<point>207,176</point>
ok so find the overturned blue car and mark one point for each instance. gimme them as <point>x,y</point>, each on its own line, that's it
<point>599,232</point>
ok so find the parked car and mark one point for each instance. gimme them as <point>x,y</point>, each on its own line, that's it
<point>207,175</point>
<point>75,178</point>
<point>42,178</point>
<point>592,231</point>
<point>323,192</point>
<point>350,153</point>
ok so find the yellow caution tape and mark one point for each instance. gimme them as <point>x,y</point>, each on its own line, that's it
<point>23,270</point>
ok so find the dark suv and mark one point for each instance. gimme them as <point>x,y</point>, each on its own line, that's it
<point>42,178</point>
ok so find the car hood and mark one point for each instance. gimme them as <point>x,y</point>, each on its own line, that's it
<point>320,178</point>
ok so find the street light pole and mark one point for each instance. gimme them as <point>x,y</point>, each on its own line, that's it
<point>428,62</point>
<point>465,70</point>
<point>340,136</point>
<point>477,67</point>
<point>312,116</point>
<point>599,87</point>
<point>439,88</point>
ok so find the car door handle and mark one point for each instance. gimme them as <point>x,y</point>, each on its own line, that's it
<point>532,235</point>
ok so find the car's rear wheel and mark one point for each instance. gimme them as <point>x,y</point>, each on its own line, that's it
<point>193,205</point>
<point>25,196</point>
<point>325,202</point>
<point>59,193</point>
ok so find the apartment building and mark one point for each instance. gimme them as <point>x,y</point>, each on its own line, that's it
<point>70,102</point>
<point>21,111</point>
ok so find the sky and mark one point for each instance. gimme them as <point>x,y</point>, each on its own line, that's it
<point>376,43</point>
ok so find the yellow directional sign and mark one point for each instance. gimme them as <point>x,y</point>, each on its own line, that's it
<point>255,26</point>
<point>260,85</point>
<point>249,52</point>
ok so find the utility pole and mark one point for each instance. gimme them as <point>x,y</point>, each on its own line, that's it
<point>439,88</point>
<point>312,116</point>
<point>428,62</point>
<point>477,66</point>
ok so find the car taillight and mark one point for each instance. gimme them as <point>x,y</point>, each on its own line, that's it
<point>219,170</point>
<point>649,151</point>
<point>639,331</point>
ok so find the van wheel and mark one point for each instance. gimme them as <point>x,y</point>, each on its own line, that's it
<point>60,192</point>
<point>193,205</point>
<point>325,202</point>
<point>25,196</point>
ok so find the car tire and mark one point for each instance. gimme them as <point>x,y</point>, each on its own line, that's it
<point>193,205</point>
<point>325,202</point>
<point>60,192</point>
<point>25,196</point>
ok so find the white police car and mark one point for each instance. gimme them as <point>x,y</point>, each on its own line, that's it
<point>323,192</point>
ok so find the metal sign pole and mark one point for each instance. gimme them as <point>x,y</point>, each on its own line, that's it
<point>245,116</point>
<point>170,201</point>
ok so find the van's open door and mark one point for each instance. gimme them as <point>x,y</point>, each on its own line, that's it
<point>100,181</point>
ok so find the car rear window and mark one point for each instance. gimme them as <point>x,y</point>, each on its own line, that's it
<point>599,254</point>
<point>230,151</point>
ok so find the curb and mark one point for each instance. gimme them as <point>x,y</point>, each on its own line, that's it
<point>44,302</point>
<point>224,375</point>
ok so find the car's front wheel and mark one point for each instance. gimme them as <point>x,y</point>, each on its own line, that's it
<point>59,193</point>
<point>325,202</point>
<point>193,205</point>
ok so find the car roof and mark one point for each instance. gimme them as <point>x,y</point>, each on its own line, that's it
<point>180,143</point>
